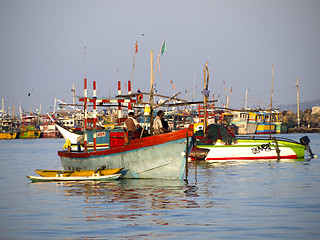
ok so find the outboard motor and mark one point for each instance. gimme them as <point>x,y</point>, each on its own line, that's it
<point>305,141</point>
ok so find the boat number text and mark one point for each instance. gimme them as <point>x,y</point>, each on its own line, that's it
<point>263,147</point>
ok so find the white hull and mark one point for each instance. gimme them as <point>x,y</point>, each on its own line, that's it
<point>249,151</point>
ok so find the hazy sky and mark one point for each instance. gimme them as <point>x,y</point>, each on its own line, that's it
<point>42,48</point>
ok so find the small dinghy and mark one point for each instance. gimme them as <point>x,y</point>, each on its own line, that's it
<point>100,174</point>
<point>60,177</point>
<point>75,173</point>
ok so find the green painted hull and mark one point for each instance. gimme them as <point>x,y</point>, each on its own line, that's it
<point>298,148</point>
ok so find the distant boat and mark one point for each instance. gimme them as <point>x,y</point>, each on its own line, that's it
<point>262,121</point>
<point>48,128</point>
<point>8,128</point>
<point>241,120</point>
<point>8,135</point>
<point>29,127</point>
<point>27,132</point>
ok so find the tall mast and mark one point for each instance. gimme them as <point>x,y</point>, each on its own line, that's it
<point>298,110</point>
<point>151,92</point>
<point>85,102</point>
<point>134,58</point>
<point>206,83</point>
<point>271,102</point>
<point>151,79</point>
<point>245,104</point>
<point>73,98</point>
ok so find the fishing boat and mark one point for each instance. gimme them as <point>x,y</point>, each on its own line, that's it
<point>28,132</point>
<point>75,173</point>
<point>160,156</point>
<point>241,120</point>
<point>220,145</point>
<point>8,135</point>
<point>29,127</point>
<point>262,119</point>
<point>8,129</point>
<point>48,128</point>
<point>58,178</point>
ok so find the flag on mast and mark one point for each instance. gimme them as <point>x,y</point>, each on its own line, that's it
<point>136,47</point>
<point>164,47</point>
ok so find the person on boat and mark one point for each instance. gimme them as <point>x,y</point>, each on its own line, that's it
<point>131,124</point>
<point>157,124</point>
<point>165,123</point>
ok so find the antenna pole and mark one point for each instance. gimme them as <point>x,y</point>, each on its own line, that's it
<point>271,101</point>
<point>298,110</point>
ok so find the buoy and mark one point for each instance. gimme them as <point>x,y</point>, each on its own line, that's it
<point>147,110</point>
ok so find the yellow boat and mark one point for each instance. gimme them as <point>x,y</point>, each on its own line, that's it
<point>74,173</point>
<point>61,178</point>
<point>8,135</point>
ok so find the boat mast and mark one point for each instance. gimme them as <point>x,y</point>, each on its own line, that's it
<point>298,110</point>
<point>206,83</point>
<point>134,58</point>
<point>85,101</point>
<point>151,91</point>
<point>245,104</point>
<point>271,102</point>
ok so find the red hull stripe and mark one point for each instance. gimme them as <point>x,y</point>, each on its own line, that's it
<point>134,144</point>
<point>252,158</point>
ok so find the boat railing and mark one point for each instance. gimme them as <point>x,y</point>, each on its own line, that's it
<point>265,138</point>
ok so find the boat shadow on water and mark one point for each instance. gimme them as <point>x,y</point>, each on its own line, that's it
<point>154,193</point>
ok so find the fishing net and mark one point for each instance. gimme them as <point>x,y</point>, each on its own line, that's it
<point>215,132</point>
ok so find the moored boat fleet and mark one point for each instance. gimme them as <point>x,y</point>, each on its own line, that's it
<point>107,145</point>
<point>105,142</point>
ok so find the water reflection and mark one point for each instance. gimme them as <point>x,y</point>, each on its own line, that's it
<point>127,199</point>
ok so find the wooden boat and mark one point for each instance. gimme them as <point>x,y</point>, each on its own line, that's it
<point>221,146</point>
<point>58,178</point>
<point>74,173</point>
<point>160,156</point>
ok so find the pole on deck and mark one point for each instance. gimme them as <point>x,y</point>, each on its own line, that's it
<point>206,83</point>
<point>298,107</point>
<point>270,120</point>
<point>85,114</point>
<point>94,116</point>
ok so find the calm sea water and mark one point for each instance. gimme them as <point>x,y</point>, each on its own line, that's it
<point>262,200</point>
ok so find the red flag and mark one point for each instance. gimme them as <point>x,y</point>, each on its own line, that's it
<point>136,47</point>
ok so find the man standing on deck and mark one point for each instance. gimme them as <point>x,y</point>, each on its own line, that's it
<point>131,125</point>
<point>157,124</point>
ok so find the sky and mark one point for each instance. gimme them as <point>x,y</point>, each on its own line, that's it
<point>42,49</point>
